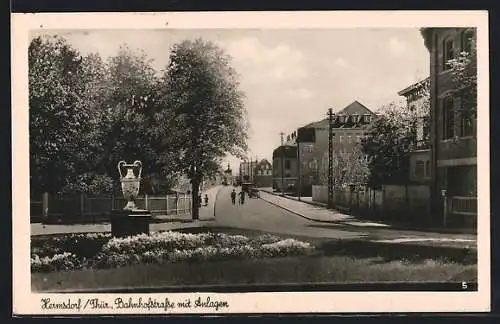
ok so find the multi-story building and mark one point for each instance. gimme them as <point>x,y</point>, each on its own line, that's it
<point>263,175</point>
<point>417,99</point>
<point>350,126</point>
<point>453,135</point>
<point>285,168</point>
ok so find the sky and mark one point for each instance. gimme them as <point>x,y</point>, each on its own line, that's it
<point>290,77</point>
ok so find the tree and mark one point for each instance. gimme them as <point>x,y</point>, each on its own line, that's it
<point>391,136</point>
<point>464,76</point>
<point>202,89</point>
<point>58,113</point>
<point>348,168</point>
<point>134,117</point>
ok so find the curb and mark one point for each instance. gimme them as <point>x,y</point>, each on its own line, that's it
<point>298,214</point>
<point>304,201</point>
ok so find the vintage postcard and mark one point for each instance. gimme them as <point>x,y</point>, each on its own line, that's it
<point>250,162</point>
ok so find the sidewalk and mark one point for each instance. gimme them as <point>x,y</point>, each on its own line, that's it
<point>312,210</point>
<point>159,223</point>
<point>317,212</point>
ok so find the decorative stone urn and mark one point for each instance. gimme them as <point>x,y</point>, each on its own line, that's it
<point>130,182</point>
<point>130,220</point>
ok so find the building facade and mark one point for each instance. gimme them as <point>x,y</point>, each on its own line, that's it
<point>350,126</point>
<point>263,175</point>
<point>418,99</point>
<point>453,135</point>
<point>285,168</point>
<point>247,171</point>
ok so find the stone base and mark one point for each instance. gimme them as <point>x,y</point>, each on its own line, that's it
<point>130,222</point>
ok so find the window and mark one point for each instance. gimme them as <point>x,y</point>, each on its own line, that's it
<point>466,128</point>
<point>358,139</point>
<point>419,169</point>
<point>467,39</point>
<point>427,168</point>
<point>448,118</point>
<point>349,139</point>
<point>341,139</point>
<point>287,164</point>
<point>448,53</point>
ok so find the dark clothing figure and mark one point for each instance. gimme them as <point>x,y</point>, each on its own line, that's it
<point>242,197</point>
<point>206,200</point>
<point>233,197</point>
<point>199,201</point>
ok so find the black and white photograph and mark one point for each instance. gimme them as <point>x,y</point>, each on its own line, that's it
<point>250,162</point>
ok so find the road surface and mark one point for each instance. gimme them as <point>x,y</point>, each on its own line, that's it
<point>257,214</point>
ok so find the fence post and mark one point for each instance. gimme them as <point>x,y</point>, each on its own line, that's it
<point>112,201</point>
<point>166,204</point>
<point>177,203</point>
<point>82,205</point>
<point>445,207</point>
<point>45,205</point>
<point>146,201</point>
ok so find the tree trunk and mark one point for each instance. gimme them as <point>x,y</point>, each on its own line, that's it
<point>195,186</point>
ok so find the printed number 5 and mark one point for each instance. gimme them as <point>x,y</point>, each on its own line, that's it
<point>464,285</point>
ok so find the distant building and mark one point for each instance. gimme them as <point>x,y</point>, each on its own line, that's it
<point>453,136</point>
<point>247,171</point>
<point>228,177</point>
<point>263,175</point>
<point>350,126</point>
<point>420,169</point>
<point>285,168</point>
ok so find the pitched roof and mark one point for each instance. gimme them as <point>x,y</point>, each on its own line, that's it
<point>355,108</point>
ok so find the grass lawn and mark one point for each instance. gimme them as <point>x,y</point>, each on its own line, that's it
<point>334,261</point>
<point>310,269</point>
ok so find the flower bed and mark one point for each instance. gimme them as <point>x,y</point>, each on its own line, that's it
<point>77,251</point>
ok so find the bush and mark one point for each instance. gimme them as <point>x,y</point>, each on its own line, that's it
<point>101,251</point>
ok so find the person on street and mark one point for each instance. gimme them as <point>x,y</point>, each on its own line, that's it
<point>242,197</point>
<point>206,200</point>
<point>233,196</point>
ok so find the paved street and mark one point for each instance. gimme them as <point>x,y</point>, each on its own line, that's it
<point>257,214</point>
<point>274,214</point>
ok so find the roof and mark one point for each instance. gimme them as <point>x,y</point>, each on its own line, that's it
<point>414,86</point>
<point>354,108</point>
<point>289,151</point>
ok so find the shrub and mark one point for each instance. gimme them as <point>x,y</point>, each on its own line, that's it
<point>102,251</point>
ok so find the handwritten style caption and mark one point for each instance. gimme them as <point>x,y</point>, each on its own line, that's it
<point>131,303</point>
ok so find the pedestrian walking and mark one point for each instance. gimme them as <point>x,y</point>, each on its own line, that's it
<point>233,197</point>
<point>242,197</point>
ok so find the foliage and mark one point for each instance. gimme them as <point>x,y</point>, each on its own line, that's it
<point>348,168</point>
<point>202,89</point>
<point>464,76</point>
<point>102,251</point>
<point>58,112</point>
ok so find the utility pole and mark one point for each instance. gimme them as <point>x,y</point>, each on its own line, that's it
<point>299,180</point>
<point>282,164</point>
<point>330,158</point>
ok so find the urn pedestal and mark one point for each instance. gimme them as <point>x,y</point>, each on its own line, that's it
<point>130,222</point>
